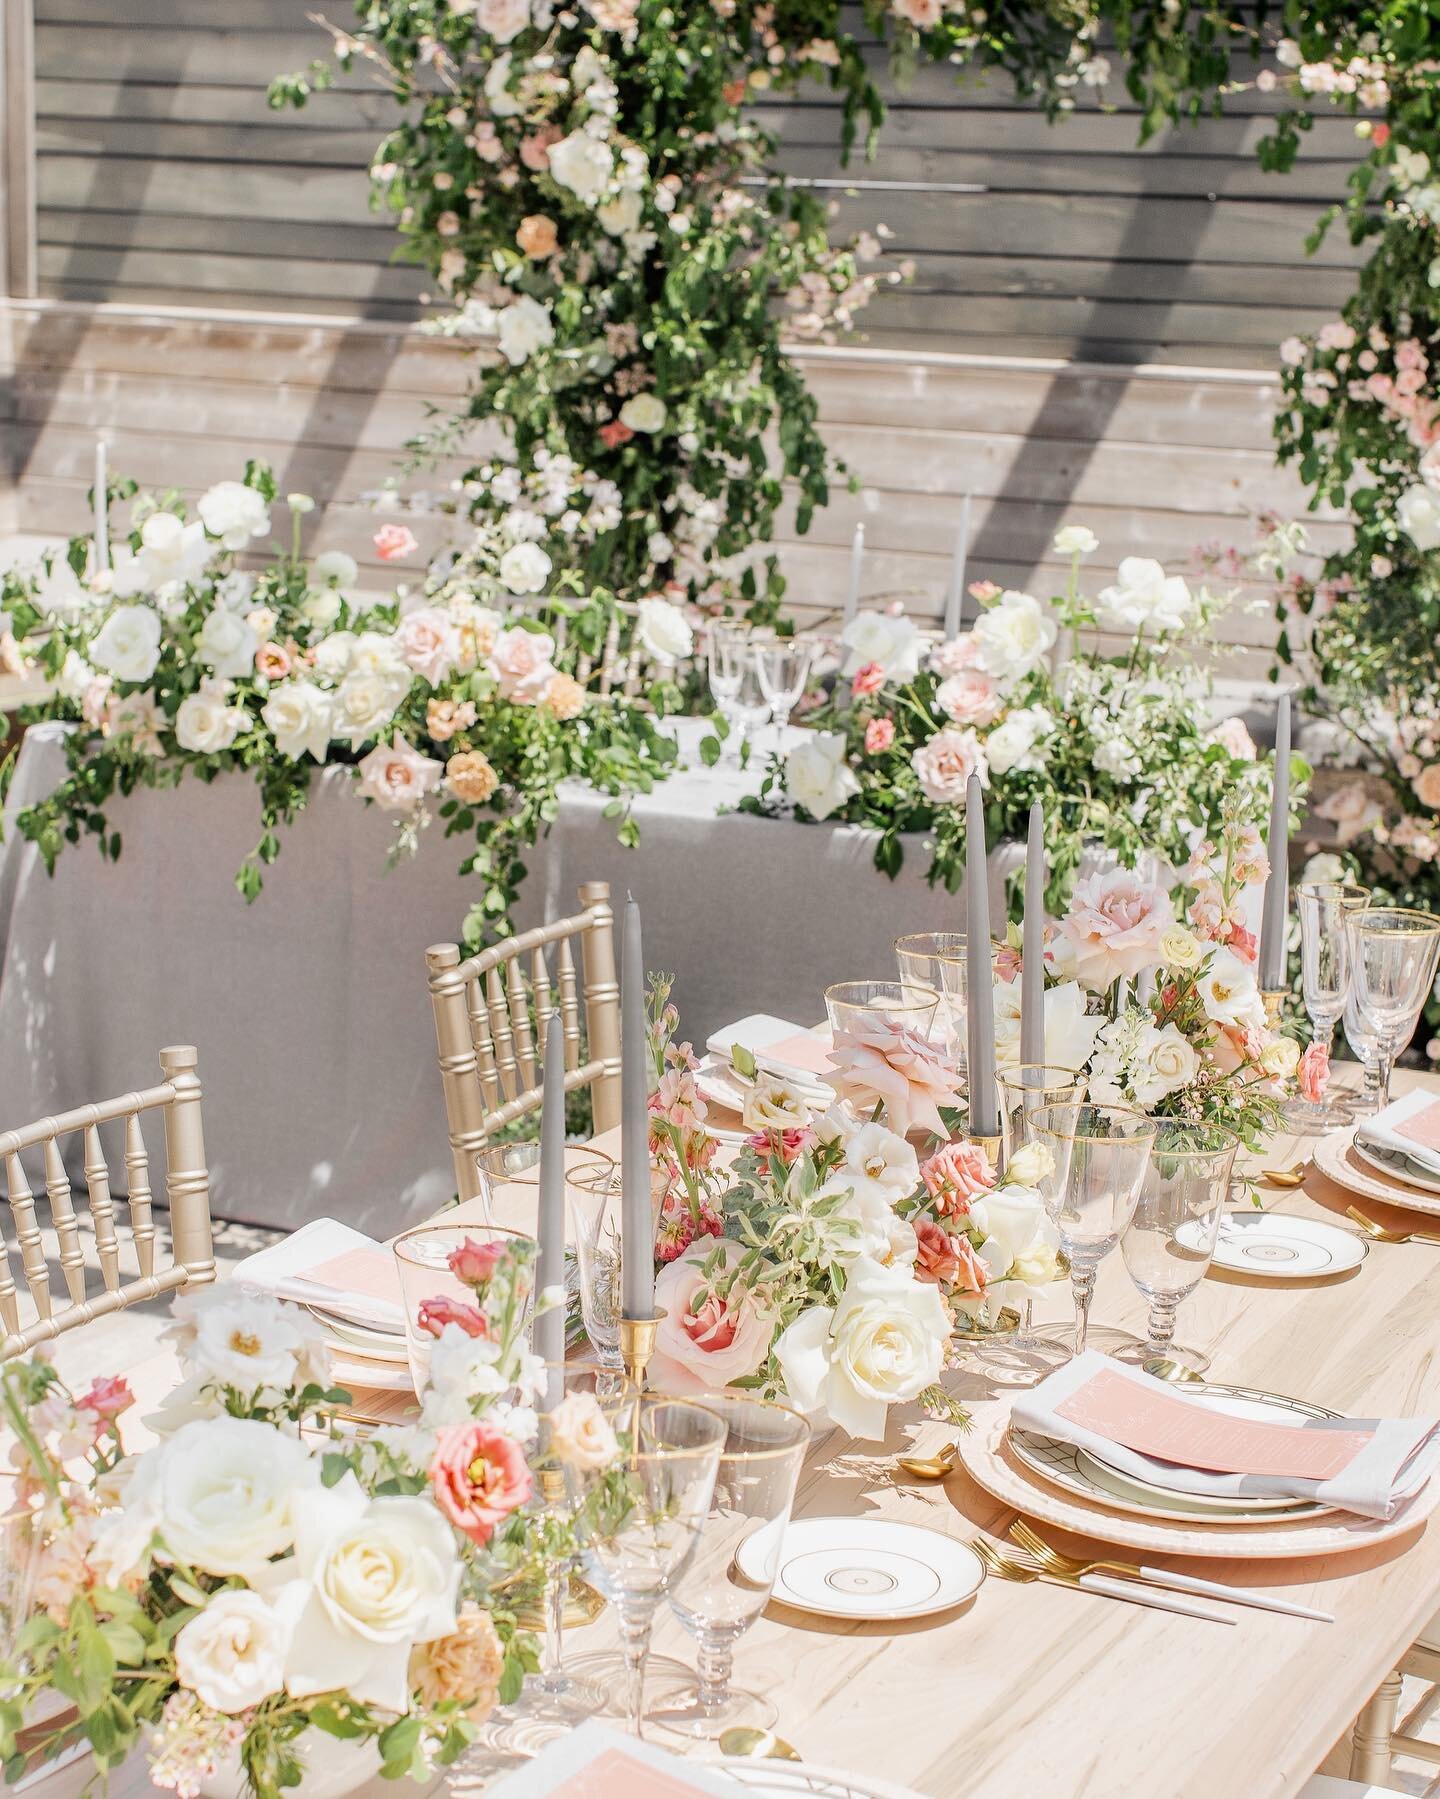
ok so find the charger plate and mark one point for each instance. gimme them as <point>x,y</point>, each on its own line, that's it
<point>988,1458</point>
<point>1337,1156</point>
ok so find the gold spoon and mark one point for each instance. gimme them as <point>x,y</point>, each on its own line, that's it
<point>930,1467</point>
<point>1162,1368</point>
<point>757,1742</point>
<point>1284,1177</point>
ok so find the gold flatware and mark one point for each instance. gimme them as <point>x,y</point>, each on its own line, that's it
<point>1284,1177</point>
<point>1381,1235</point>
<point>930,1467</point>
<point>1163,1367</point>
<point>1010,1567</point>
<point>758,1743</point>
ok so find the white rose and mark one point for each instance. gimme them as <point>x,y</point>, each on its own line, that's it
<point>377,653</point>
<point>1070,1031</point>
<point>58,592</point>
<point>234,513</point>
<point>621,215</point>
<point>365,703</point>
<point>1009,1219</point>
<point>205,724</point>
<point>583,164</point>
<point>1030,1164</point>
<point>524,327</point>
<point>893,643</point>
<point>644,412</point>
<point>1015,635</point>
<point>321,606</point>
<point>580,1435</point>
<point>1075,540</point>
<point>817,776</point>
<point>127,645</point>
<point>1418,515</point>
<point>882,1344</point>
<point>1144,597</point>
<point>222,1493</point>
<point>1324,867</point>
<point>75,676</point>
<point>1164,1062</point>
<point>664,631</point>
<point>299,715</point>
<point>226,644</point>
<point>1015,743</point>
<point>336,566</point>
<point>1229,994</point>
<point>503,19</point>
<point>171,552</point>
<point>370,1578</point>
<point>880,1156</point>
<point>332,657</point>
<point>233,1654</point>
<point>524,568</point>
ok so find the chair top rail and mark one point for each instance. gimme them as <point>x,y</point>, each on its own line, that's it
<point>106,1111</point>
<point>500,953</point>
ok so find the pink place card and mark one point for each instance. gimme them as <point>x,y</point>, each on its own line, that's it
<point>1422,1127</point>
<point>369,1272</point>
<point>616,1774</point>
<point>1175,1430</point>
<point>811,1054</point>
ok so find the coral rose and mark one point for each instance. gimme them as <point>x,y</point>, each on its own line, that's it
<point>475,1263</point>
<point>955,1175</point>
<point>935,1257</point>
<point>434,1314</point>
<point>470,777</point>
<point>1313,1075</point>
<point>479,1476</point>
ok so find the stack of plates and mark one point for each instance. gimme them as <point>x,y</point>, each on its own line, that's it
<point>725,1092</point>
<point>1376,1171</point>
<point>364,1355</point>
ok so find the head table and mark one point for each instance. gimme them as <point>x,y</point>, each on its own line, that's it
<point>1040,1690</point>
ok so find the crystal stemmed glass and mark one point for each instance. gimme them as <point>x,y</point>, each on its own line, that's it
<point>759,1465</point>
<point>1100,1154</point>
<point>593,1192</point>
<point>851,1005</point>
<point>727,652</point>
<point>1025,1088</point>
<point>1323,907</point>
<point>508,1176</point>
<point>750,708</point>
<point>639,1523</point>
<point>783,665</point>
<point>1395,953</point>
<point>937,959</point>
<point>1364,1042</point>
<point>428,1288</point>
<point>1169,1242</point>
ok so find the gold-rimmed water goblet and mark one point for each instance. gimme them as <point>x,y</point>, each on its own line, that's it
<point>433,1295</point>
<point>852,1006</point>
<point>937,959</point>
<point>1325,980</point>
<point>1025,1088</point>
<point>1394,952</point>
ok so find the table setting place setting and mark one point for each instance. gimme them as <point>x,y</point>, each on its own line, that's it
<point>419,1508</point>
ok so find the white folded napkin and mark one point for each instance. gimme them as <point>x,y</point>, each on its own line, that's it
<point>1400,1457</point>
<point>761,1033</point>
<point>1384,1129</point>
<point>283,1268</point>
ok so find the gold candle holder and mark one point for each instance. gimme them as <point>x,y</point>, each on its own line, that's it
<point>637,1345</point>
<point>990,1145</point>
<point>1273,1000</point>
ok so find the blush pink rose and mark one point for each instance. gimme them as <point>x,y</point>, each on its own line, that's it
<point>969,698</point>
<point>434,1314</point>
<point>429,642</point>
<point>475,1263</point>
<point>1312,1076</point>
<point>704,1341</point>
<point>522,662</point>
<point>869,679</point>
<point>106,1397</point>
<point>1232,734</point>
<point>955,1175</point>
<point>1114,926</point>
<point>398,777</point>
<point>956,654</point>
<point>883,1063</point>
<point>479,1476</point>
<point>394,542</point>
<point>944,765</point>
<point>535,149</point>
<point>879,735</point>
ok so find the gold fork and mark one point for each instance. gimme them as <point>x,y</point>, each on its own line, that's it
<point>1379,1233</point>
<point>1010,1567</point>
<point>1061,1566</point>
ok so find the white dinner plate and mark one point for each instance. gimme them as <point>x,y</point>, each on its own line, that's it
<point>1338,1157</point>
<point>865,1568</point>
<point>361,1339</point>
<point>791,1780</point>
<point>1396,1164</point>
<point>1277,1246</point>
<point>374,1377</point>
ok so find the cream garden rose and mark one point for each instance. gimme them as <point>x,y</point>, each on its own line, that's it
<point>299,716</point>
<point>584,164</point>
<point>1015,636</point>
<point>397,777</point>
<point>893,645</point>
<point>232,1654</point>
<point>234,513</point>
<point>818,776</point>
<point>227,644</point>
<point>773,1104</point>
<point>206,723</point>
<point>523,327</point>
<point>664,631</point>
<point>579,1434</point>
<point>1180,948</point>
<point>127,645</point>
<point>644,412</point>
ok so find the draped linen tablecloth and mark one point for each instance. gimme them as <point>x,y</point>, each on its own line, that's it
<point>309,1007</point>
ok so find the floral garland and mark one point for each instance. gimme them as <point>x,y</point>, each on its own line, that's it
<point>177,662</point>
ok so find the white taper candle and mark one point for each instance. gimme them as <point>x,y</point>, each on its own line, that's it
<point>979,970</point>
<point>857,559</point>
<point>102,509</point>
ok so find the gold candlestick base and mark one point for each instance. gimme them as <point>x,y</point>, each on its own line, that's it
<point>982,1140</point>
<point>1273,1000</point>
<point>637,1345</point>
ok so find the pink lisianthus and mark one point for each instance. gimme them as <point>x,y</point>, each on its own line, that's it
<point>956,1174</point>
<point>881,1062</point>
<point>106,1397</point>
<point>272,662</point>
<point>1114,926</point>
<point>706,1341</point>
<point>435,1313</point>
<point>868,679</point>
<point>395,542</point>
<point>475,1263</point>
<point>1312,1076</point>
<point>479,1476</point>
<point>879,735</point>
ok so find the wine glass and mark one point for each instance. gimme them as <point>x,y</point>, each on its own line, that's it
<point>640,1520</point>
<point>1395,953</point>
<point>1026,1088</point>
<point>937,959</point>
<point>1169,1242</point>
<point>1364,1042</point>
<point>783,665</point>
<point>726,655</point>
<point>20,1540</point>
<point>433,1296</point>
<point>1099,1156</point>
<point>594,1196</point>
<point>759,1465</point>
<point>749,708</point>
<point>852,1005</point>
<point>1323,907</point>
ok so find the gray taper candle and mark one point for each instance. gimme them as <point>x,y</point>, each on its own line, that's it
<point>955,592</point>
<point>1032,946</point>
<point>1277,886</point>
<point>979,970</point>
<point>547,1333</point>
<point>637,1228</point>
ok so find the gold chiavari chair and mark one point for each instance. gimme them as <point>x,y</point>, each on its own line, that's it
<point>491,1013</point>
<point>187,1186</point>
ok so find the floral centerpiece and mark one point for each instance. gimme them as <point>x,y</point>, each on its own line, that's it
<point>1114,746</point>
<point>452,702</point>
<point>261,1581</point>
<point>831,1261</point>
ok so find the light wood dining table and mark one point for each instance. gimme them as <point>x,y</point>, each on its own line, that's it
<point>1060,1694</point>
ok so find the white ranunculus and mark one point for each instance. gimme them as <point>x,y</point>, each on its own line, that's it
<point>880,1345</point>
<point>234,513</point>
<point>1075,540</point>
<point>583,164</point>
<point>1016,743</point>
<point>893,643</point>
<point>365,702</point>
<point>222,1493</point>
<point>621,215</point>
<point>1229,993</point>
<point>1014,635</point>
<point>644,412</point>
<point>226,644</point>
<point>370,1578</point>
<point>206,723</point>
<point>664,631</point>
<point>774,1104</point>
<point>503,19</point>
<point>232,1655</point>
<point>817,775</point>
<point>1070,1031</point>
<point>1144,598</point>
<point>1164,1062</point>
<point>524,568</point>
<point>336,566</point>
<point>127,645</point>
<point>524,327</point>
<point>880,1156</point>
<point>299,716</point>
<point>1418,515</point>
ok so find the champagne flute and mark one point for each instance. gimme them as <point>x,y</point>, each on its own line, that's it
<point>1325,960</point>
<point>783,665</point>
<point>1395,955</point>
<point>727,651</point>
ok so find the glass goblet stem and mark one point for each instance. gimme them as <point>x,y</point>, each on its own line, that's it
<point>1082,1288</point>
<point>556,1586</point>
<point>635,1647</point>
<point>1161,1331</point>
<point>715,1656</point>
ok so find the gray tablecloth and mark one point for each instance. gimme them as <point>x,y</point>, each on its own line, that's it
<point>309,1007</point>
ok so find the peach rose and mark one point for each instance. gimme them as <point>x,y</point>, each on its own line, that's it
<point>881,1062</point>
<point>564,696</point>
<point>443,718</point>
<point>703,1340</point>
<point>535,149</point>
<point>394,542</point>
<point>955,1175</point>
<point>944,765</point>
<point>1114,926</point>
<point>479,1476</point>
<point>1427,786</point>
<point>465,1666</point>
<point>1313,1074</point>
<point>470,777</point>
<point>537,236</point>
<point>969,698</point>
<point>396,776</point>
